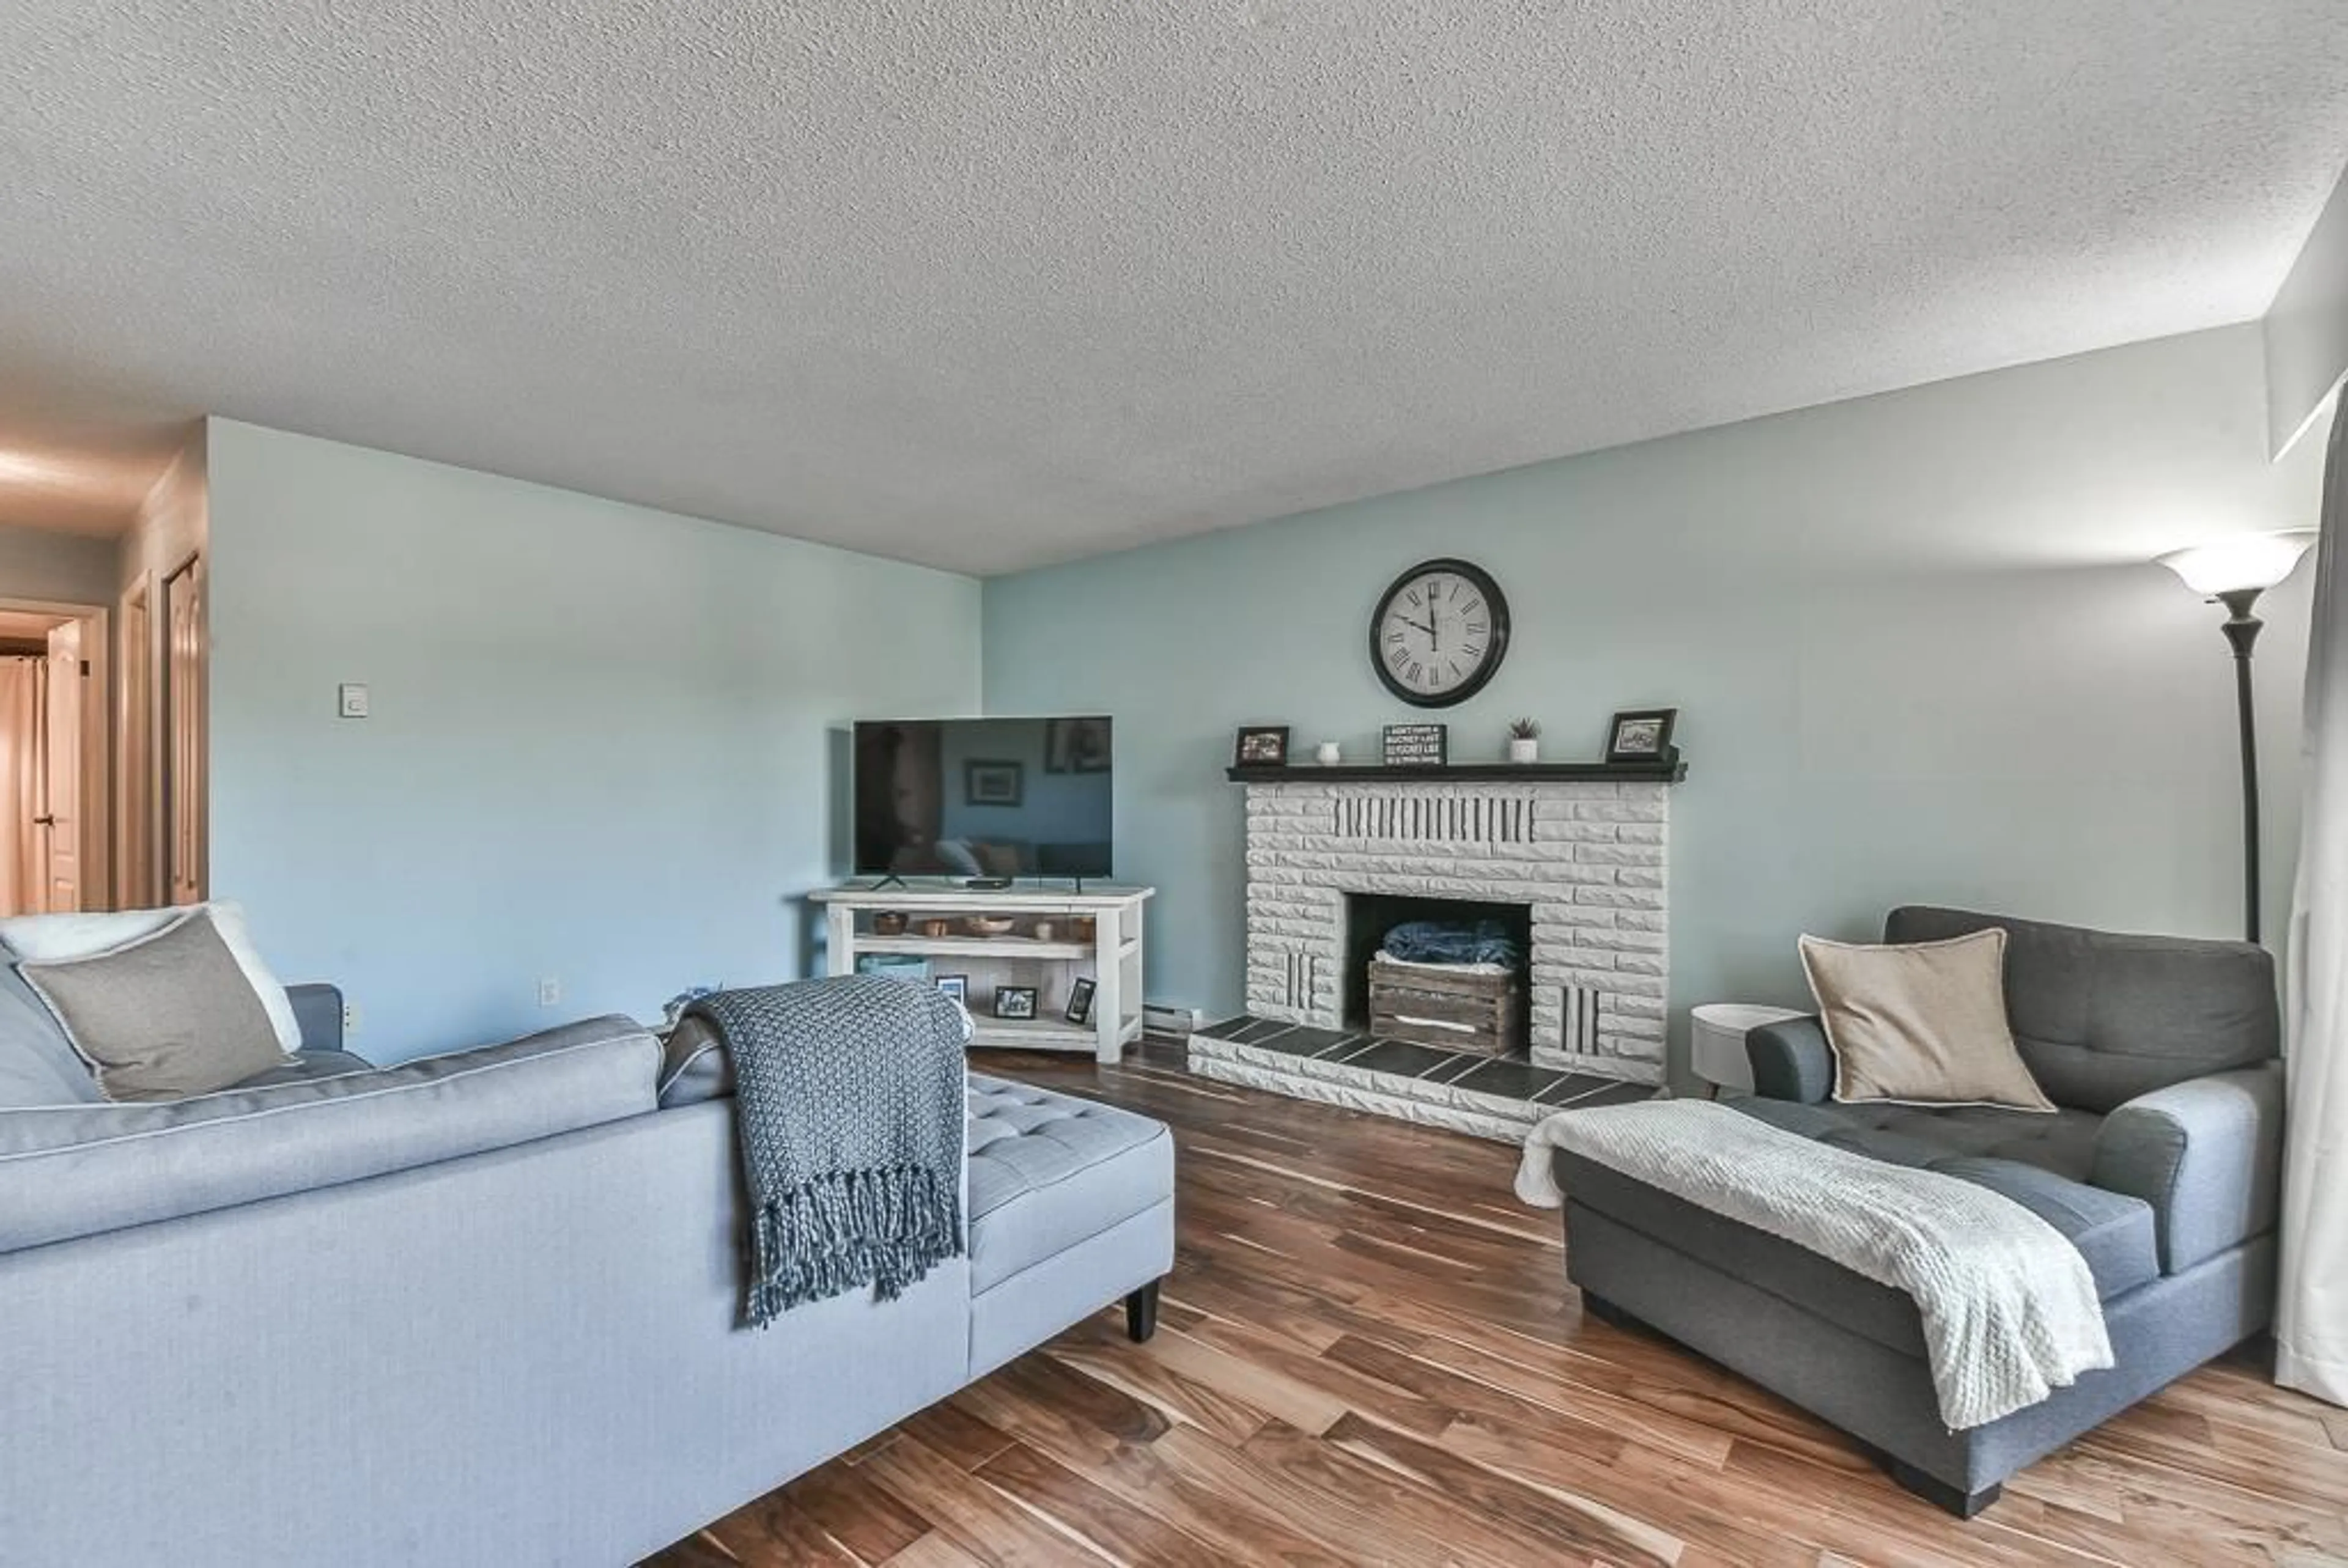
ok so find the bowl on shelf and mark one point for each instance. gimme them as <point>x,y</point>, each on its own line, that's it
<point>936,927</point>
<point>987,925</point>
<point>889,922</point>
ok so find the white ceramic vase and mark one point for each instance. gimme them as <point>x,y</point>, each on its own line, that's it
<point>1524,751</point>
<point>1329,753</point>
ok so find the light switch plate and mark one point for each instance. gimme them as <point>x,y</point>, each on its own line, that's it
<point>353,700</point>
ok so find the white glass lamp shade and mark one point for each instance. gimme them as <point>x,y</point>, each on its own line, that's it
<point>2246,560</point>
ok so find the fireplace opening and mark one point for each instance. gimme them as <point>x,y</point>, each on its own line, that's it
<point>1456,1006</point>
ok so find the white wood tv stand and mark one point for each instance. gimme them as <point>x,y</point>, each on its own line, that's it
<point>1045,949</point>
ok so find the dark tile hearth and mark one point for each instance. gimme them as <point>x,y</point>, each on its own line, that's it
<point>1402,1058</point>
<point>1510,1080</point>
<point>1495,1098</point>
<point>1293,1039</point>
<point>1578,1090</point>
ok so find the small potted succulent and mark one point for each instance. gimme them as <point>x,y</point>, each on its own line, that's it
<point>1524,739</point>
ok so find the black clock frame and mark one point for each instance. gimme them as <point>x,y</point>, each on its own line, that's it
<point>1493,598</point>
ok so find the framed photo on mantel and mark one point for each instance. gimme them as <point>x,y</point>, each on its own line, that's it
<point>1415,745</point>
<point>1643,735</point>
<point>1261,746</point>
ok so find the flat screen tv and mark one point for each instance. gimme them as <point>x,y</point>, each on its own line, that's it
<point>984,797</point>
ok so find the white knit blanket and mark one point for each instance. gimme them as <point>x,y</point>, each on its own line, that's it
<point>2009,1308</point>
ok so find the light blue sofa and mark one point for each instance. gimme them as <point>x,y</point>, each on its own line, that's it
<point>484,1308</point>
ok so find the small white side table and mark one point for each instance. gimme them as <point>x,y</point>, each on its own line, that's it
<point>1717,1041</point>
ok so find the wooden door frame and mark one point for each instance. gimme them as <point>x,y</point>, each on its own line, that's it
<point>137,721</point>
<point>97,803</point>
<point>166,796</point>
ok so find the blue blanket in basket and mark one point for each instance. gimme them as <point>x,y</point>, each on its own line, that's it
<point>1454,942</point>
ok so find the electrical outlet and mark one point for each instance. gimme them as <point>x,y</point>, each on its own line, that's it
<point>550,992</point>
<point>351,699</point>
<point>351,1017</point>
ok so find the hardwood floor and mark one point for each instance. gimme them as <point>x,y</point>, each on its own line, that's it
<point>1368,1353</point>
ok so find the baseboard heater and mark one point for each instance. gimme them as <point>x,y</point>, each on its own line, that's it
<point>1166,1017</point>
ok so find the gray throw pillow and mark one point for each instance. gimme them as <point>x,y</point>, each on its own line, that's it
<point>162,1018</point>
<point>693,1065</point>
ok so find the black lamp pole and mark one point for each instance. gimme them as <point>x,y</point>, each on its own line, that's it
<point>2241,630</point>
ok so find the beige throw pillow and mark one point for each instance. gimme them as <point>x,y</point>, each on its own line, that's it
<point>164,1017</point>
<point>1921,1023</point>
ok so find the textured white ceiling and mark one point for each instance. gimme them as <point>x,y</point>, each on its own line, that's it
<point>994,282</point>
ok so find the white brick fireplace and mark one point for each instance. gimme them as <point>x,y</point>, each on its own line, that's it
<point>1585,858</point>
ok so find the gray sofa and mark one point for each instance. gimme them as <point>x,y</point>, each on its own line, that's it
<point>2161,1166</point>
<point>481,1308</point>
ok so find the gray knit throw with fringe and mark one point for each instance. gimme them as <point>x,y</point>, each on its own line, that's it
<point>849,1098</point>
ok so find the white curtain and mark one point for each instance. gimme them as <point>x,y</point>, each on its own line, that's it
<point>2312,1311</point>
<point>23,690</point>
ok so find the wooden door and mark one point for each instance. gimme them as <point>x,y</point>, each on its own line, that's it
<point>135,825</point>
<point>183,732</point>
<point>60,818</point>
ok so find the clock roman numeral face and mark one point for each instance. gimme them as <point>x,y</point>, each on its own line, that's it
<point>1434,636</point>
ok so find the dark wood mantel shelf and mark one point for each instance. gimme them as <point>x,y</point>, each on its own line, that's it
<point>1462,772</point>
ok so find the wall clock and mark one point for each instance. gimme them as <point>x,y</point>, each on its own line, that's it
<point>1439,632</point>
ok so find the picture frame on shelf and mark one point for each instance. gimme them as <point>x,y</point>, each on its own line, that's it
<point>956,986</point>
<point>1261,746</point>
<point>1077,746</point>
<point>1080,1001</point>
<point>988,781</point>
<point>1015,1001</point>
<point>1642,735</point>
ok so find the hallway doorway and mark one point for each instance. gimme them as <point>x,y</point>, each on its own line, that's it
<point>54,773</point>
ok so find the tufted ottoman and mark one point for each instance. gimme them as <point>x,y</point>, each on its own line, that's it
<point>1071,1205</point>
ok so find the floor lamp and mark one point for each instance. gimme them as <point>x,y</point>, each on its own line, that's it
<point>2233,572</point>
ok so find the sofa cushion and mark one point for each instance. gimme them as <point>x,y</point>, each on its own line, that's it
<point>2101,1018</point>
<point>73,1171</point>
<point>1048,1172</point>
<point>165,1016</point>
<point>2116,1247</point>
<point>49,939</point>
<point>1919,1022</point>
<point>309,1067</point>
<point>2039,1162</point>
<point>2063,1144</point>
<point>37,1064</point>
<point>2113,1233</point>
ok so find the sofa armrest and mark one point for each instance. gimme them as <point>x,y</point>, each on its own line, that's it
<point>319,1010</point>
<point>2207,1154</point>
<point>1790,1060</point>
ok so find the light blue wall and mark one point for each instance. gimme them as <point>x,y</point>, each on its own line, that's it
<point>1917,648</point>
<point>41,563</point>
<point>603,745</point>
